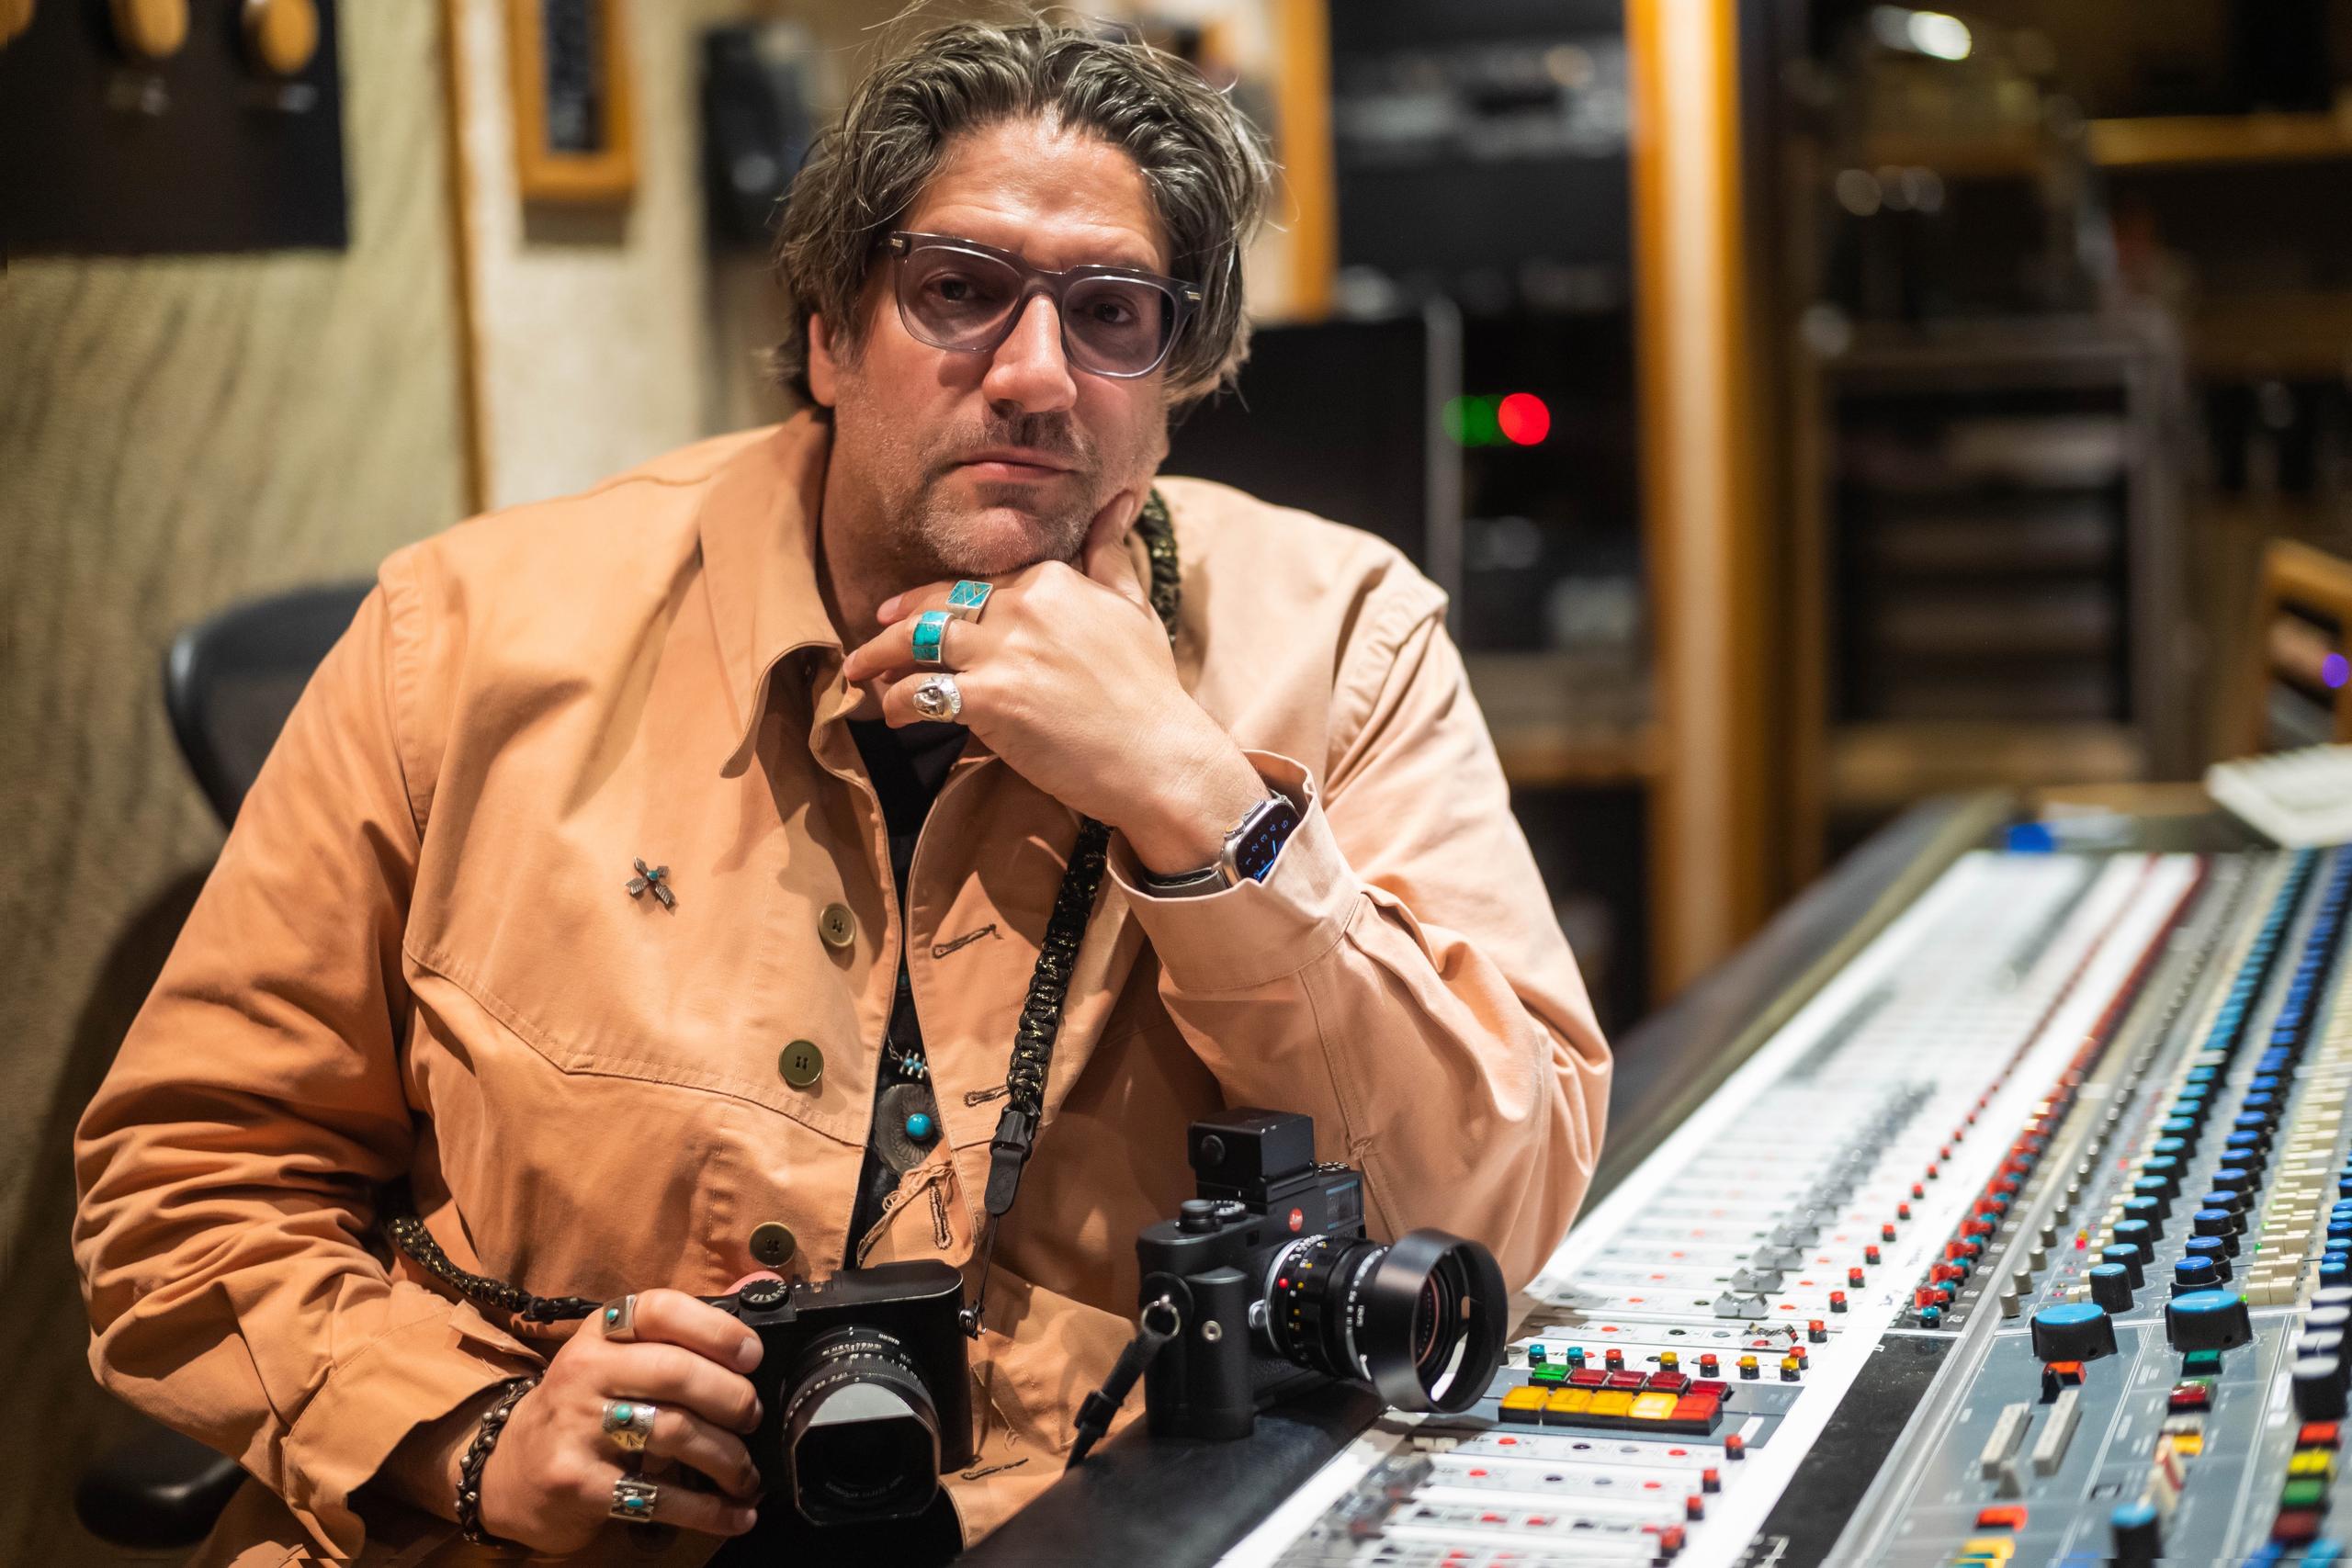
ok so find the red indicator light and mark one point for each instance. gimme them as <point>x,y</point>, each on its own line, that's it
<point>1523,419</point>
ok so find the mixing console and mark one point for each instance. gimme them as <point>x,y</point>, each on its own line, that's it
<point>2025,1240</point>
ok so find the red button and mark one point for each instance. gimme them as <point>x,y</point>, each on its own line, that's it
<point>1630,1381</point>
<point>1613,1360</point>
<point>2010,1517</point>
<point>1711,1481</point>
<point>1588,1377</point>
<point>1709,1365</point>
<point>1869,1254</point>
<point>1667,1383</point>
<point>1694,1507</point>
<point>1708,1388</point>
<point>1735,1447</point>
<point>2295,1525</point>
<point>1856,1278</point>
<point>2316,1434</point>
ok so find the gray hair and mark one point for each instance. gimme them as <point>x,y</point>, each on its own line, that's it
<point>1202,160</point>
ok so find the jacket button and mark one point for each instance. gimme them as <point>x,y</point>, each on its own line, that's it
<point>801,1063</point>
<point>837,925</point>
<point>774,1244</point>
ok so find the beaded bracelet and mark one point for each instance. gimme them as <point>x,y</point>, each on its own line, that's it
<point>493,1422</point>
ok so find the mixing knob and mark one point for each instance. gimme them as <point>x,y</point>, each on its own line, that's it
<point>2128,1258</point>
<point>2319,1388</point>
<point>2079,1331</point>
<point>2208,1320</point>
<point>2214,1222</point>
<point>2139,1534</point>
<point>2111,1286</point>
<point>2138,1234</point>
<point>2194,1274</point>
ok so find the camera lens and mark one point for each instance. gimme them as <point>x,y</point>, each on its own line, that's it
<point>1390,1316</point>
<point>860,1431</point>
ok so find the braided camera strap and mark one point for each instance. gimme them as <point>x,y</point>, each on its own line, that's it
<point>1024,1077</point>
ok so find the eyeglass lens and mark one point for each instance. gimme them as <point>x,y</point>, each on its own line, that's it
<point>960,299</point>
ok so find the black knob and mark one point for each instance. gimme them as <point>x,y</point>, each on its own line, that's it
<point>2139,1533</point>
<point>2208,1320</point>
<point>1196,1216</point>
<point>2111,1287</point>
<point>2128,1258</point>
<point>2194,1274</point>
<point>2319,1388</point>
<point>2138,1234</point>
<point>2079,1331</point>
<point>2214,1222</point>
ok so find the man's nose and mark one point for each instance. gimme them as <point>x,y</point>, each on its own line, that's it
<point>1029,369</point>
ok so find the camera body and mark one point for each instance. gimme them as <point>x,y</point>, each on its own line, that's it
<point>1275,1284</point>
<point>865,1385</point>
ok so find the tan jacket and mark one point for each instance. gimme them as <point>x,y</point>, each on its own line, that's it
<point>416,958</point>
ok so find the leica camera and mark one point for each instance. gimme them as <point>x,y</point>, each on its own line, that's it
<point>864,1388</point>
<point>1271,1285</point>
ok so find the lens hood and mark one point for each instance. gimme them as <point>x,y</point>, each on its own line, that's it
<point>1465,1286</point>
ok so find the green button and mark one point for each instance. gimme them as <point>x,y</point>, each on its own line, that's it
<point>1547,1371</point>
<point>774,1244</point>
<point>801,1063</point>
<point>2305,1495</point>
<point>2202,1363</point>
<point>837,925</point>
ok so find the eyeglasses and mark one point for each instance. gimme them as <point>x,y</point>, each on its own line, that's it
<point>965,297</point>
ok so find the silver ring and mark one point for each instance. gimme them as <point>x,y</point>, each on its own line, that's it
<point>939,699</point>
<point>634,1499</point>
<point>629,1423</point>
<point>967,598</point>
<point>619,1319</point>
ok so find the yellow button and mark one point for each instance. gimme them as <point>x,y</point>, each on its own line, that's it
<point>2189,1444</point>
<point>837,925</point>
<point>801,1063</point>
<point>1612,1402</point>
<point>1653,1407</point>
<point>1522,1403</point>
<point>2000,1548</point>
<point>2312,1461</point>
<point>1565,1403</point>
<point>774,1244</point>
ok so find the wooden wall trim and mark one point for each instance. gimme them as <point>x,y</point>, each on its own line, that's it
<point>1304,103</point>
<point>1703,517</point>
<point>472,398</point>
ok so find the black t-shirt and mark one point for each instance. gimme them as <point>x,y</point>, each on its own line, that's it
<point>908,767</point>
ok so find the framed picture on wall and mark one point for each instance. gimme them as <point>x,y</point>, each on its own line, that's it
<point>573,138</point>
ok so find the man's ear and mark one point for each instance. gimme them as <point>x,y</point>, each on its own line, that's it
<point>824,370</point>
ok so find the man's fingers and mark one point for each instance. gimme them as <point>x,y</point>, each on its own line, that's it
<point>686,1438</point>
<point>666,1375</point>
<point>677,1503</point>
<point>673,1318</point>
<point>1104,557</point>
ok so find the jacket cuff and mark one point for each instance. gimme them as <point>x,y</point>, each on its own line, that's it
<point>1253,933</point>
<point>402,1379</point>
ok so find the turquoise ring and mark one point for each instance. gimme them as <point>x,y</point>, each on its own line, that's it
<point>967,598</point>
<point>634,1499</point>
<point>930,626</point>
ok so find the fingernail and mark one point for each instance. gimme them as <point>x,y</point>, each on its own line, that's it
<point>887,611</point>
<point>747,1354</point>
<point>744,1519</point>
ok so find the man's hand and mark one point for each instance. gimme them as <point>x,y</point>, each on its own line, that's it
<point>549,1482</point>
<point>1068,677</point>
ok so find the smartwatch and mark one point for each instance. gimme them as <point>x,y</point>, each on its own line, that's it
<point>1250,852</point>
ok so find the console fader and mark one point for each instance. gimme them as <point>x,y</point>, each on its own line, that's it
<point>2025,1240</point>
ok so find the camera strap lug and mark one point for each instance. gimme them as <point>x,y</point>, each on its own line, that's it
<point>1094,1416</point>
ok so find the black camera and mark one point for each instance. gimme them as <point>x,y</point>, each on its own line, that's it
<point>864,1384</point>
<point>1270,1281</point>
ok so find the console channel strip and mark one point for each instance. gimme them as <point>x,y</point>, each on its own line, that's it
<point>2027,1240</point>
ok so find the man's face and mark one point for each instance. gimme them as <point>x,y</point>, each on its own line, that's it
<point>983,463</point>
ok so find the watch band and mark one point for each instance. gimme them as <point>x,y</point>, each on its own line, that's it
<point>1261,834</point>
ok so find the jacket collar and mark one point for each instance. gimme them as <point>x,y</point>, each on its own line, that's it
<point>758,534</point>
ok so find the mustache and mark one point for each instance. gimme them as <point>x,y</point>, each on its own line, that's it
<point>1054,435</point>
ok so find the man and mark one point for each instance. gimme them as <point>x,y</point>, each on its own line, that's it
<point>618,893</point>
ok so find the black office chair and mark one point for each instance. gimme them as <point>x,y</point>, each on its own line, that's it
<point>228,683</point>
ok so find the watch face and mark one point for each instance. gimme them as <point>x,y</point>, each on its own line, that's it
<point>1254,850</point>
